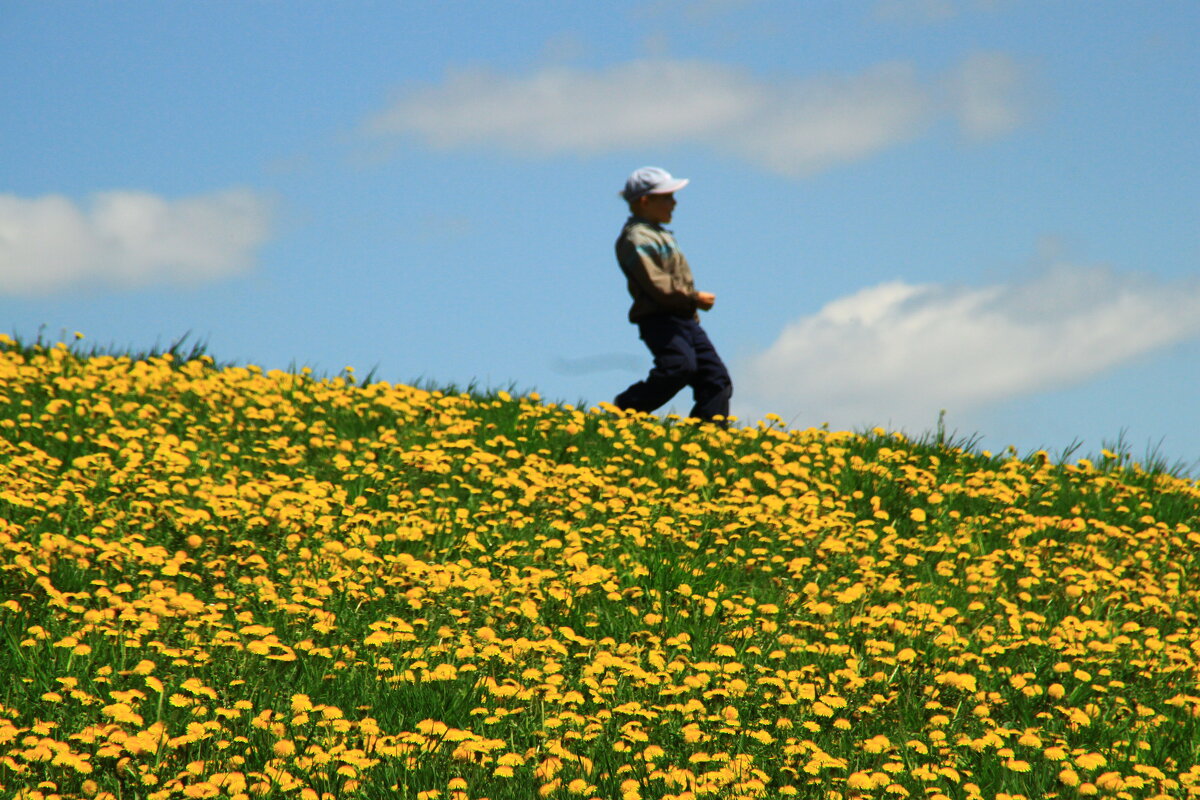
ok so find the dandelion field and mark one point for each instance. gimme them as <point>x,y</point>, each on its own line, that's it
<point>220,582</point>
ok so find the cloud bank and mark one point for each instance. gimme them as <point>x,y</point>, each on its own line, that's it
<point>791,126</point>
<point>127,239</point>
<point>896,354</point>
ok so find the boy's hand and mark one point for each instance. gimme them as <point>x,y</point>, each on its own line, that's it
<point>705,300</point>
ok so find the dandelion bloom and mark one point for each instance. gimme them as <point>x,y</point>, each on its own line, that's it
<point>877,744</point>
<point>860,780</point>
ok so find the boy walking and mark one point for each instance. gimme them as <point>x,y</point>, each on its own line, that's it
<point>665,305</point>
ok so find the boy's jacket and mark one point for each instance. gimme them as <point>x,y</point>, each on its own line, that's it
<point>660,280</point>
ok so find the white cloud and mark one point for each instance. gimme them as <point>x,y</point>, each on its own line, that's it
<point>896,354</point>
<point>560,109</point>
<point>811,125</point>
<point>989,95</point>
<point>793,126</point>
<point>127,239</point>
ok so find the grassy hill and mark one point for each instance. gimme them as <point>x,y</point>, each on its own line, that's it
<point>216,582</point>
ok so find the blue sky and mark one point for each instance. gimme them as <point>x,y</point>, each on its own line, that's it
<point>903,206</point>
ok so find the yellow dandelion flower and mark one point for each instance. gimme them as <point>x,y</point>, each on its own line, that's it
<point>196,687</point>
<point>1068,777</point>
<point>121,712</point>
<point>962,681</point>
<point>877,744</point>
<point>1090,761</point>
<point>1149,771</point>
<point>860,780</point>
<point>851,594</point>
<point>1078,716</point>
<point>284,748</point>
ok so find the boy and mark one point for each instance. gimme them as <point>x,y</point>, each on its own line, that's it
<point>665,302</point>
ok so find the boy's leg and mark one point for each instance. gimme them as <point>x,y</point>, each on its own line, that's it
<point>711,386</point>
<point>674,364</point>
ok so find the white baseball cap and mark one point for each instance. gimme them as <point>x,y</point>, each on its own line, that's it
<point>651,180</point>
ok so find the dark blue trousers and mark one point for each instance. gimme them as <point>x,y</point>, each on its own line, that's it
<point>683,356</point>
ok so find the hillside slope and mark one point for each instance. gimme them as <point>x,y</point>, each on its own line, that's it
<point>216,582</point>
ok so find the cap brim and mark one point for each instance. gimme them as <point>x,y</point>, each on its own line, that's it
<point>669,186</point>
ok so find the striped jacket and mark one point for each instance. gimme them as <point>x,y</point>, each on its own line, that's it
<point>659,278</point>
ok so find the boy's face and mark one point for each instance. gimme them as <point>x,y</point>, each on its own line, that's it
<point>656,207</point>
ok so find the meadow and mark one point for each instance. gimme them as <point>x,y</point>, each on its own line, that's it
<point>221,582</point>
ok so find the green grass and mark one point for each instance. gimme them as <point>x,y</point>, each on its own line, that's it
<point>216,581</point>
